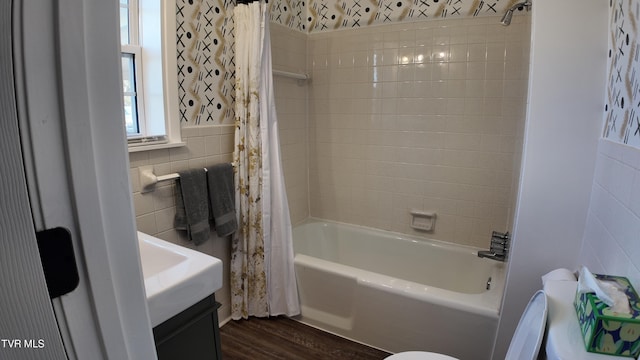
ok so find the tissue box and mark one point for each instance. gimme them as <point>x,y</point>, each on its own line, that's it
<point>604,331</point>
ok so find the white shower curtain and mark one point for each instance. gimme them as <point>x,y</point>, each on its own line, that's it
<point>262,274</point>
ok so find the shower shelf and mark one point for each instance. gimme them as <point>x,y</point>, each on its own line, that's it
<point>423,220</point>
<point>298,76</point>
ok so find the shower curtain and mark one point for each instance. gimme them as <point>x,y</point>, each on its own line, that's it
<point>262,274</point>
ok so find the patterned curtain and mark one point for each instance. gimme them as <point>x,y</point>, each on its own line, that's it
<point>248,276</point>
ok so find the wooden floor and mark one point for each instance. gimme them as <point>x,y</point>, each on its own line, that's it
<point>283,338</point>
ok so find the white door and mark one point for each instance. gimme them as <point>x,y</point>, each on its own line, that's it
<point>28,326</point>
<point>69,108</point>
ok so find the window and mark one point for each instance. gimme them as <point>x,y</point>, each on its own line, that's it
<point>131,70</point>
<point>149,74</point>
<point>133,115</point>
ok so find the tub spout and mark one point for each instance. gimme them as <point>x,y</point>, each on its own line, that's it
<point>491,255</point>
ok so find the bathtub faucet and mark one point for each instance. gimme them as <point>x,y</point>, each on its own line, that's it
<point>499,247</point>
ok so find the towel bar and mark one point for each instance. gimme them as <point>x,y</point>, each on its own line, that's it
<point>148,179</point>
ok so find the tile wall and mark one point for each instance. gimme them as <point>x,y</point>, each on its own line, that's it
<point>424,116</point>
<point>289,49</point>
<point>155,210</point>
<point>612,235</point>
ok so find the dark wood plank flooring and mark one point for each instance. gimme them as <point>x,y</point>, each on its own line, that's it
<point>283,338</point>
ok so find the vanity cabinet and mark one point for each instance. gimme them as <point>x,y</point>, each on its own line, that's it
<point>193,334</point>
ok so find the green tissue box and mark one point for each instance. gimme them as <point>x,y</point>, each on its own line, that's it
<point>605,331</point>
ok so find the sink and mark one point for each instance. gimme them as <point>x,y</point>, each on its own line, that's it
<point>175,277</point>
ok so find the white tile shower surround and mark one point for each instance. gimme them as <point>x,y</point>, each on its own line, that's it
<point>612,234</point>
<point>418,115</point>
<point>289,49</point>
<point>376,165</point>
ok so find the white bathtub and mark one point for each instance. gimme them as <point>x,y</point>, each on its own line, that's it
<point>396,292</point>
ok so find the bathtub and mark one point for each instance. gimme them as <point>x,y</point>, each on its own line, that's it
<point>396,292</point>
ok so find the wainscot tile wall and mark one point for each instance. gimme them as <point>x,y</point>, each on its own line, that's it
<point>611,243</point>
<point>155,210</point>
<point>424,116</point>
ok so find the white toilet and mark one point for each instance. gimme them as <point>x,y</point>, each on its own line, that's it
<point>552,307</point>
<point>419,355</point>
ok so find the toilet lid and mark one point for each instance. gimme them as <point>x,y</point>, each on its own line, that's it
<point>526,341</point>
<point>419,355</point>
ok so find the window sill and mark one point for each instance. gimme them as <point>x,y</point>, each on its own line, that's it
<point>149,147</point>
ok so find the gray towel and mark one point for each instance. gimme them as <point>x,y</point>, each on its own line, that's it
<point>222,198</point>
<point>194,216</point>
<point>180,219</point>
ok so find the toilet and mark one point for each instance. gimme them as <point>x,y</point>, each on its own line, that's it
<point>550,308</point>
<point>419,355</point>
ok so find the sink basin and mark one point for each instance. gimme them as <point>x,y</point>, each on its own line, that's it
<point>175,277</point>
